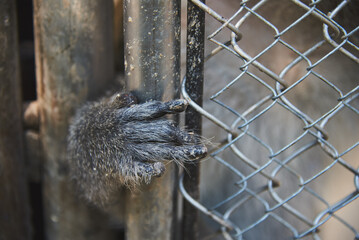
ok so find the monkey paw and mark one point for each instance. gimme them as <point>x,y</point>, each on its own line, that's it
<point>128,142</point>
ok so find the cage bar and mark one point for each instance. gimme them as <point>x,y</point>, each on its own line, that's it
<point>193,119</point>
<point>152,69</point>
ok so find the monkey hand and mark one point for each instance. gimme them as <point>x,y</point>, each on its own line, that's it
<point>114,142</point>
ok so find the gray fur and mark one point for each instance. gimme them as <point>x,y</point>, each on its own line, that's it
<point>115,142</point>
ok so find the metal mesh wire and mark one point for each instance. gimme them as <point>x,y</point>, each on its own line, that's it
<point>281,106</point>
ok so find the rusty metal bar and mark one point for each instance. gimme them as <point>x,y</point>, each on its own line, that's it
<point>14,205</point>
<point>74,61</point>
<point>152,69</point>
<point>194,87</point>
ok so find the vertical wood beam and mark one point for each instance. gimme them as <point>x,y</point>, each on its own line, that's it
<point>74,61</point>
<point>14,206</point>
<point>152,68</point>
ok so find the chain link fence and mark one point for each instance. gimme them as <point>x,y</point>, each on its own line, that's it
<point>281,109</point>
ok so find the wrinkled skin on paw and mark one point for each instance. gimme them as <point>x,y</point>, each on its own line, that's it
<point>115,142</point>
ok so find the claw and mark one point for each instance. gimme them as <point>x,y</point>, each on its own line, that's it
<point>178,105</point>
<point>197,152</point>
<point>159,169</point>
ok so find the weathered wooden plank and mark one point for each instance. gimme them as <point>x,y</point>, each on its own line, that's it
<point>74,61</point>
<point>14,209</point>
<point>152,51</point>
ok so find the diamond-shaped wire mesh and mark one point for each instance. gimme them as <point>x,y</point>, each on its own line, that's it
<point>281,105</point>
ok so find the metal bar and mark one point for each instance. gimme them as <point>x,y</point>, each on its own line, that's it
<point>118,36</point>
<point>74,60</point>
<point>14,205</point>
<point>193,119</point>
<point>152,71</point>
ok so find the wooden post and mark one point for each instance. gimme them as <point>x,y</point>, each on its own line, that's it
<point>74,61</point>
<point>152,68</point>
<point>14,206</point>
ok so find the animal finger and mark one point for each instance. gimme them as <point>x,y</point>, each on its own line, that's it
<point>161,131</point>
<point>151,110</point>
<point>120,100</point>
<point>158,152</point>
